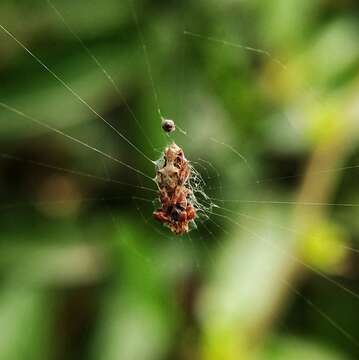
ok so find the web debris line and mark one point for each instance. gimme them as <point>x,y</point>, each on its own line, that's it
<point>211,166</point>
<point>236,152</point>
<point>324,315</point>
<point>300,203</point>
<point>73,172</point>
<point>146,56</point>
<point>236,45</point>
<point>217,176</point>
<point>295,258</point>
<point>74,93</point>
<point>63,201</point>
<point>102,68</point>
<point>309,302</point>
<point>49,127</point>
<point>277,226</point>
<point>318,272</point>
<point>324,171</point>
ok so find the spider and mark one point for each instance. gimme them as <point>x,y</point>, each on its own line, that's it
<point>168,125</point>
<point>172,174</point>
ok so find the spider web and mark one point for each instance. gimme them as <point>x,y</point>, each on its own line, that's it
<point>212,190</point>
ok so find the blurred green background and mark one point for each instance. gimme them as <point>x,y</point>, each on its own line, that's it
<point>85,271</point>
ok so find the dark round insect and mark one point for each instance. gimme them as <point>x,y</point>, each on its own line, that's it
<point>168,125</point>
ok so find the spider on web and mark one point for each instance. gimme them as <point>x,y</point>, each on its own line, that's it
<point>172,175</point>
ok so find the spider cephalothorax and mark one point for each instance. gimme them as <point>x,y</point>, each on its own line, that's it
<point>172,174</point>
